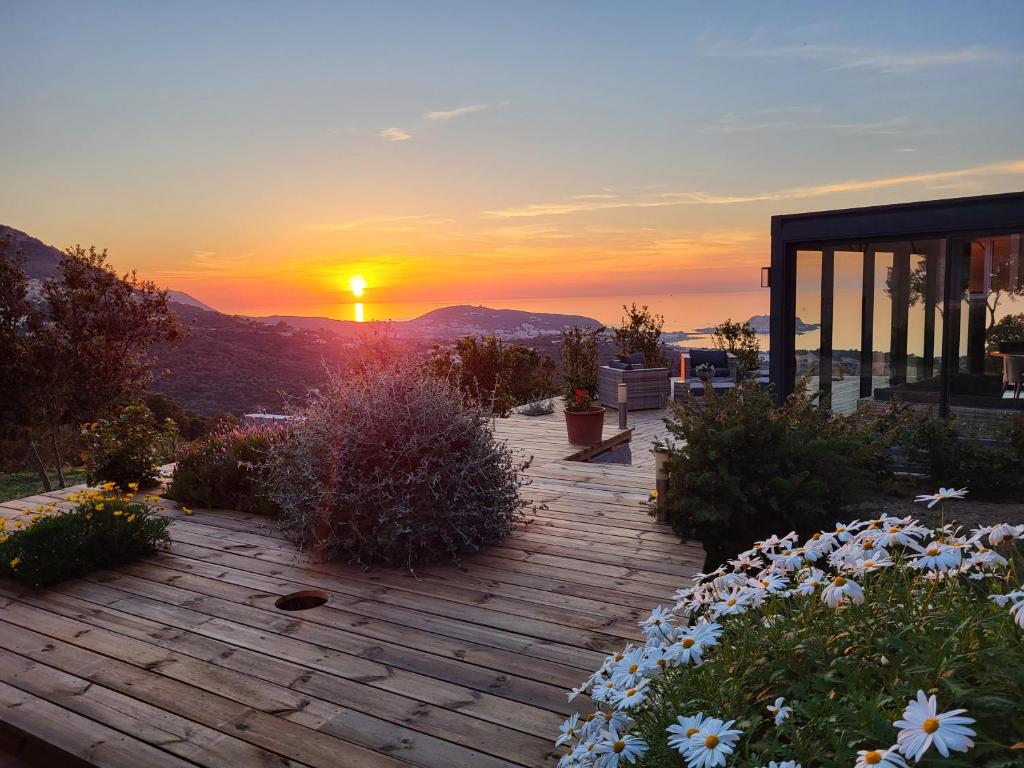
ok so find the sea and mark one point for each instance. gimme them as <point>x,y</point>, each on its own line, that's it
<point>682,311</point>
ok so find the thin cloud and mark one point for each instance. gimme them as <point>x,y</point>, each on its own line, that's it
<point>444,115</point>
<point>394,134</point>
<point>669,199</point>
<point>792,119</point>
<point>846,57</point>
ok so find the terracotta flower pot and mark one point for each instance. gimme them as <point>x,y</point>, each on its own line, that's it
<point>585,427</point>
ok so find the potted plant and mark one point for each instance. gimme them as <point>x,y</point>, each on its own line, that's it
<point>705,372</point>
<point>584,421</point>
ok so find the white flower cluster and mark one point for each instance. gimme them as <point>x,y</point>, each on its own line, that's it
<point>826,566</point>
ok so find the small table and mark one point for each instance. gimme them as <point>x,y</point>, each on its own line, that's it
<point>695,387</point>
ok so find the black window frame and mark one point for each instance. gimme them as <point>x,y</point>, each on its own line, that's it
<point>953,219</point>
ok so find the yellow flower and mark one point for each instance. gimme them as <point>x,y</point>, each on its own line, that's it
<point>130,518</point>
<point>118,512</point>
<point>186,510</point>
<point>99,507</point>
<point>133,486</point>
<point>107,486</point>
<point>15,563</point>
<point>3,537</point>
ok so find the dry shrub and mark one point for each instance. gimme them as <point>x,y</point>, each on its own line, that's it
<point>387,465</point>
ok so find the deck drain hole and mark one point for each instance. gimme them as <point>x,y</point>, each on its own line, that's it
<point>301,601</point>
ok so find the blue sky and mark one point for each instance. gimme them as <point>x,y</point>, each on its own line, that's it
<point>256,154</point>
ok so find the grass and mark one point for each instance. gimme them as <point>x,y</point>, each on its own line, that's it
<point>15,485</point>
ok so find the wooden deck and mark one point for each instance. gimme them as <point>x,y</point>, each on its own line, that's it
<point>183,660</point>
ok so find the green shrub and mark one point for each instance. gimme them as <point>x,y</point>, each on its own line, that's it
<point>103,530</point>
<point>640,331</point>
<point>495,375</point>
<point>743,467</point>
<point>741,340</point>
<point>994,470</point>
<point>812,654</point>
<point>128,448</point>
<point>385,467</point>
<point>221,470</point>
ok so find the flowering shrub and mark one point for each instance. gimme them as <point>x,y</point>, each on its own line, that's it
<point>128,448</point>
<point>876,643</point>
<point>579,366</point>
<point>383,467</point>
<point>104,529</point>
<point>221,470</point>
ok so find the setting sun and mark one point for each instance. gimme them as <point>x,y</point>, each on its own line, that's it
<point>357,284</point>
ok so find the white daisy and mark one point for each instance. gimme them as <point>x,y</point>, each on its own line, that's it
<point>631,697</point>
<point>570,730</point>
<point>682,730</point>
<point>627,672</point>
<point>734,602</point>
<point>614,750</point>
<point>879,758</point>
<point>784,764</point>
<point>687,649</point>
<point>842,589</point>
<point>811,581</point>
<point>780,711</point>
<point>936,556</point>
<point>658,624</point>
<point>941,495</point>
<point>711,744</point>
<point>872,561</point>
<point>921,727</point>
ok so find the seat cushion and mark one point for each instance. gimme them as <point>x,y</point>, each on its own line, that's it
<point>619,365</point>
<point>635,360</point>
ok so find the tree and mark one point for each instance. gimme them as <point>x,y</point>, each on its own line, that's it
<point>1008,328</point>
<point>82,353</point>
<point>741,340</point>
<point>19,377</point>
<point>490,373</point>
<point>640,331</point>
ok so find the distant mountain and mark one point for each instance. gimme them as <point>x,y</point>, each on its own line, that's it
<point>40,259</point>
<point>762,324</point>
<point>41,262</point>
<point>448,323</point>
<point>180,297</point>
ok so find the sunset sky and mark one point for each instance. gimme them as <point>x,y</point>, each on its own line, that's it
<point>258,155</point>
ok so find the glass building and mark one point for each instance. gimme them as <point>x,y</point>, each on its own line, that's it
<point>922,301</point>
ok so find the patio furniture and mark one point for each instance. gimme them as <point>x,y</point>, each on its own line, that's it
<point>646,388</point>
<point>1013,373</point>
<point>725,364</point>
<point>682,389</point>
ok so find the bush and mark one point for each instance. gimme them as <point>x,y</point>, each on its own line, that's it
<point>128,448</point>
<point>103,530</point>
<point>383,467</point>
<point>641,332</point>
<point>812,654</point>
<point>221,470</point>
<point>493,374</point>
<point>744,467</point>
<point>992,468</point>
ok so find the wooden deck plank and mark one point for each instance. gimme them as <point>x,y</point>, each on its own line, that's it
<point>183,659</point>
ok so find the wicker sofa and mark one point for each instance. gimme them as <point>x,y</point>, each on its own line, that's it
<point>646,388</point>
